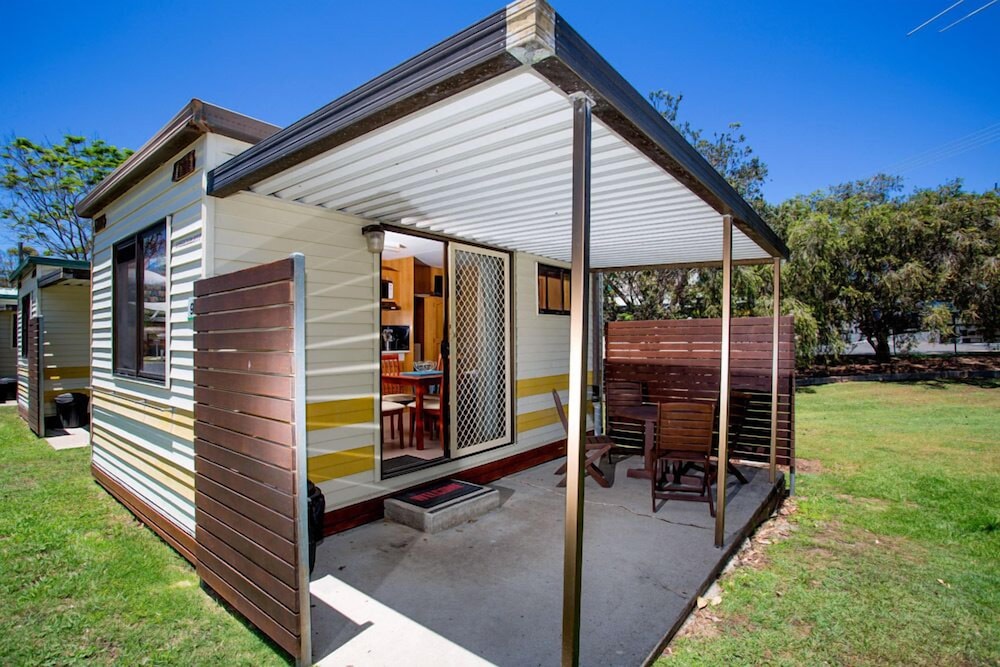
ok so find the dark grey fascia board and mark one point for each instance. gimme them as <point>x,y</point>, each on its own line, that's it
<point>195,119</point>
<point>462,61</point>
<point>62,275</point>
<point>529,33</point>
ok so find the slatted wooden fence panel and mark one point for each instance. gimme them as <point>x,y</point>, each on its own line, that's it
<point>246,483</point>
<point>36,390</point>
<point>680,360</point>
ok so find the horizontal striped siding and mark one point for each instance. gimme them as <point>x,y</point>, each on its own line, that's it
<point>144,431</point>
<point>65,311</point>
<point>8,343</point>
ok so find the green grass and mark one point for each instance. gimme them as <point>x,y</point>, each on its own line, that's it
<point>82,582</point>
<point>907,493</point>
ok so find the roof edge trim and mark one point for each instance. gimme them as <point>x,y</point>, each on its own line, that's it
<point>195,119</point>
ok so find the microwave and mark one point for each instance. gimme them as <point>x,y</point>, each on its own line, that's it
<point>387,292</point>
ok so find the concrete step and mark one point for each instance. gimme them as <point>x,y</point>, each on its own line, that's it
<point>435,515</point>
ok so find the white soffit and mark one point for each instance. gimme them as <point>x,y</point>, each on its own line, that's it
<point>493,165</point>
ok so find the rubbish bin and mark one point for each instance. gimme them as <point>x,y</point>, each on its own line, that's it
<point>72,410</point>
<point>8,389</point>
<point>317,508</point>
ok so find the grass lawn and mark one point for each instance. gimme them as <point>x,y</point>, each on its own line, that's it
<point>82,582</point>
<point>895,553</point>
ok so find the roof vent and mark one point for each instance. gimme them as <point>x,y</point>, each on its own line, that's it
<point>184,167</point>
<point>100,222</point>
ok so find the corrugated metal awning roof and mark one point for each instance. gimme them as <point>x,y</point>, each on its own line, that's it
<point>473,140</point>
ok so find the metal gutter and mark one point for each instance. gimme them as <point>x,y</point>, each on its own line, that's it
<point>35,260</point>
<point>195,119</point>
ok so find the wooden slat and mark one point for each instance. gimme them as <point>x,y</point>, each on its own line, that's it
<point>282,570</point>
<point>269,452</point>
<point>246,362</point>
<point>272,340</point>
<point>273,521</point>
<point>280,635</point>
<point>278,432</point>
<point>281,479</point>
<point>265,273</point>
<point>258,318</point>
<point>275,386</point>
<point>252,530</point>
<point>253,297</point>
<point>258,406</point>
<point>281,592</point>
<point>262,493</point>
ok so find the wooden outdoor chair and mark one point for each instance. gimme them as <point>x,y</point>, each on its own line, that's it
<point>595,447</point>
<point>684,436</point>
<point>620,394</point>
<point>394,393</point>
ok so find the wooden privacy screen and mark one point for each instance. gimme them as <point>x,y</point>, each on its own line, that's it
<point>248,488</point>
<point>36,389</point>
<point>680,360</point>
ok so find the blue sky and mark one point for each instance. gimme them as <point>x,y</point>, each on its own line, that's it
<point>826,91</point>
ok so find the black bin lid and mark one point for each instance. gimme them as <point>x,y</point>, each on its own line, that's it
<point>64,398</point>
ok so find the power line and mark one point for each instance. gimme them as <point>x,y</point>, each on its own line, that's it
<point>970,14</point>
<point>934,18</point>
<point>983,137</point>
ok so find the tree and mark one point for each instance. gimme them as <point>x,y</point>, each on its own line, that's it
<point>659,294</point>
<point>41,185</point>
<point>10,260</point>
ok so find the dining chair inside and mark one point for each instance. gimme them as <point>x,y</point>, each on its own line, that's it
<point>595,446</point>
<point>392,392</point>
<point>684,436</point>
<point>432,409</point>
<point>394,411</point>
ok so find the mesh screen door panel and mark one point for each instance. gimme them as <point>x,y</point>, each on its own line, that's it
<point>480,349</point>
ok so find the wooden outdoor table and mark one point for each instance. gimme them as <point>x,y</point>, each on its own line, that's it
<point>420,383</point>
<point>646,413</point>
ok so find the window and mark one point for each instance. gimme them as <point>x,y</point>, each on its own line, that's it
<point>25,315</point>
<point>140,304</point>
<point>553,290</point>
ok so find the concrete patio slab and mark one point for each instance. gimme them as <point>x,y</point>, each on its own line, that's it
<point>490,591</point>
<point>69,438</point>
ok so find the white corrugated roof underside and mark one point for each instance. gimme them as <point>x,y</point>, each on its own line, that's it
<point>493,165</point>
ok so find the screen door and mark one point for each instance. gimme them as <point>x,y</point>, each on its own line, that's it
<point>480,364</point>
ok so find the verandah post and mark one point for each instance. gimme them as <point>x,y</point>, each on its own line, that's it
<point>727,305</point>
<point>776,303</point>
<point>577,429</point>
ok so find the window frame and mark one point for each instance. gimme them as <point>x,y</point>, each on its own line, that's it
<point>552,271</point>
<point>134,240</point>
<point>24,314</point>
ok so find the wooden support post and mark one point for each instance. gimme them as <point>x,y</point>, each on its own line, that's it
<point>577,429</point>
<point>727,307</point>
<point>775,337</point>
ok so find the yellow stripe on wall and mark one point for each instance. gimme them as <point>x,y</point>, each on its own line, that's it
<point>162,420</point>
<point>341,464</point>
<point>526,421</point>
<point>166,472</point>
<point>343,412</point>
<point>545,384</point>
<point>67,372</point>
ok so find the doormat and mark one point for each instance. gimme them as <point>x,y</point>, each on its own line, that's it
<point>438,493</point>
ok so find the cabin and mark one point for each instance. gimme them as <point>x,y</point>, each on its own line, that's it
<point>381,295</point>
<point>53,336</point>
<point>8,328</point>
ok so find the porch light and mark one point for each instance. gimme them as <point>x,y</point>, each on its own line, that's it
<point>374,238</point>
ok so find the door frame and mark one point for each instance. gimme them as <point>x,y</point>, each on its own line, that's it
<point>508,293</point>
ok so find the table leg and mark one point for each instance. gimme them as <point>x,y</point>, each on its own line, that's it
<point>646,471</point>
<point>419,423</point>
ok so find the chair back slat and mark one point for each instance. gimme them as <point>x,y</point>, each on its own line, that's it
<point>560,411</point>
<point>685,426</point>
<point>620,394</point>
<point>391,366</point>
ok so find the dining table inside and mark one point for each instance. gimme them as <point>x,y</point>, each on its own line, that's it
<point>421,382</point>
